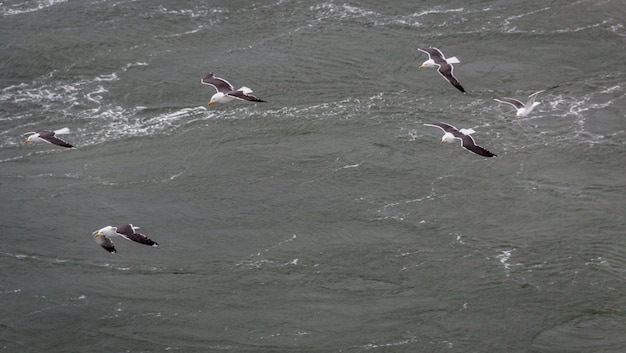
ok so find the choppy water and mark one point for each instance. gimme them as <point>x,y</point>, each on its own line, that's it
<point>328,219</point>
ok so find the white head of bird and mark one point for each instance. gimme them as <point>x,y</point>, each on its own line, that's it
<point>107,231</point>
<point>219,97</point>
<point>32,138</point>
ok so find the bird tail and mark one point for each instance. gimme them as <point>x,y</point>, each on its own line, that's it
<point>245,90</point>
<point>453,60</point>
<point>62,131</point>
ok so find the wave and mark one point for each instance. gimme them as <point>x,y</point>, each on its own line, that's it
<point>591,330</point>
<point>199,18</point>
<point>27,6</point>
<point>83,105</point>
<point>260,259</point>
<point>472,19</point>
<point>330,11</point>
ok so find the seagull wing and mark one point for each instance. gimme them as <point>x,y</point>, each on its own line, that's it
<point>244,96</point>
<point>219,84</point>
<point>446,70</point>
<point>448,128</point>
<point>532,97</point>
<point>435,54</point>
<point>49,136</point>
<point>127,231</point>
<point>536,93</point>
<point>468,143</point>
<point>512,101</point>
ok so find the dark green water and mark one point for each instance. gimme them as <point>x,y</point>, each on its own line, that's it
<point>328,219</point>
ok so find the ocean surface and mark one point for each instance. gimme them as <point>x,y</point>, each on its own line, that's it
<point>328,219</point>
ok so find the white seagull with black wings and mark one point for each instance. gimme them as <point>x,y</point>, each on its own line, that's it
<point>226,92</point>
<point>451,133</point>
<point>126,231</point>
<point>522,109</point>
<point>443,65</point>
<point>48,136</point>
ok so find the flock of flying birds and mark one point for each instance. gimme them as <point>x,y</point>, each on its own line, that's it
<point>436,59</point>
<point>226,93</point>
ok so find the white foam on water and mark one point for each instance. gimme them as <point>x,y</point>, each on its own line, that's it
<point>26,6</point>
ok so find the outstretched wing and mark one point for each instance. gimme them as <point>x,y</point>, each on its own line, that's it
<point>468,143</point>
<point>50,137</point>
<point>219,84</point>
<point>244,96</point>
<point>531,98</point>
<point>512,101</point>
<point>127,231</point>
<point>448,128</point>
<point>435,54</point>
<point>447,71</point>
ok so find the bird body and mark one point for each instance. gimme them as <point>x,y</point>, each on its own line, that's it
<point>522,109</point>
<point>127,231</point>
<point>464,135</point>
<point>437,60</point>
<point>430,63</point>
<point>49,137</point>
<point>226,92</point>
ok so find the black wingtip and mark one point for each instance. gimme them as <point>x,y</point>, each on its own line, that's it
<point>481,151</point>
<point>487,155</point>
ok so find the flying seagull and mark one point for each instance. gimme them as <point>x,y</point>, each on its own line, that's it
<point>522,109</point>
<point>126,231</point>
<point>467,142</point>
<point>443,65</point>
<point>226,92</point>
<point>48,136</point>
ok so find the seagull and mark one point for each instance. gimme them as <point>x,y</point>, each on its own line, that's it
<point>126,231</point>
<point>522,109</point>
<point>48,136</point>
<point>226,92</point>
<point>443,65</point>
<point>467,142</point>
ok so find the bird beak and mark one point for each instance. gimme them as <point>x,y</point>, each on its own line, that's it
<point>209,103</point>
<point>25,142</point>
<point>441,142</point>
<point>516,116</point>
<point>420,67</point>
<point>95,235</point>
